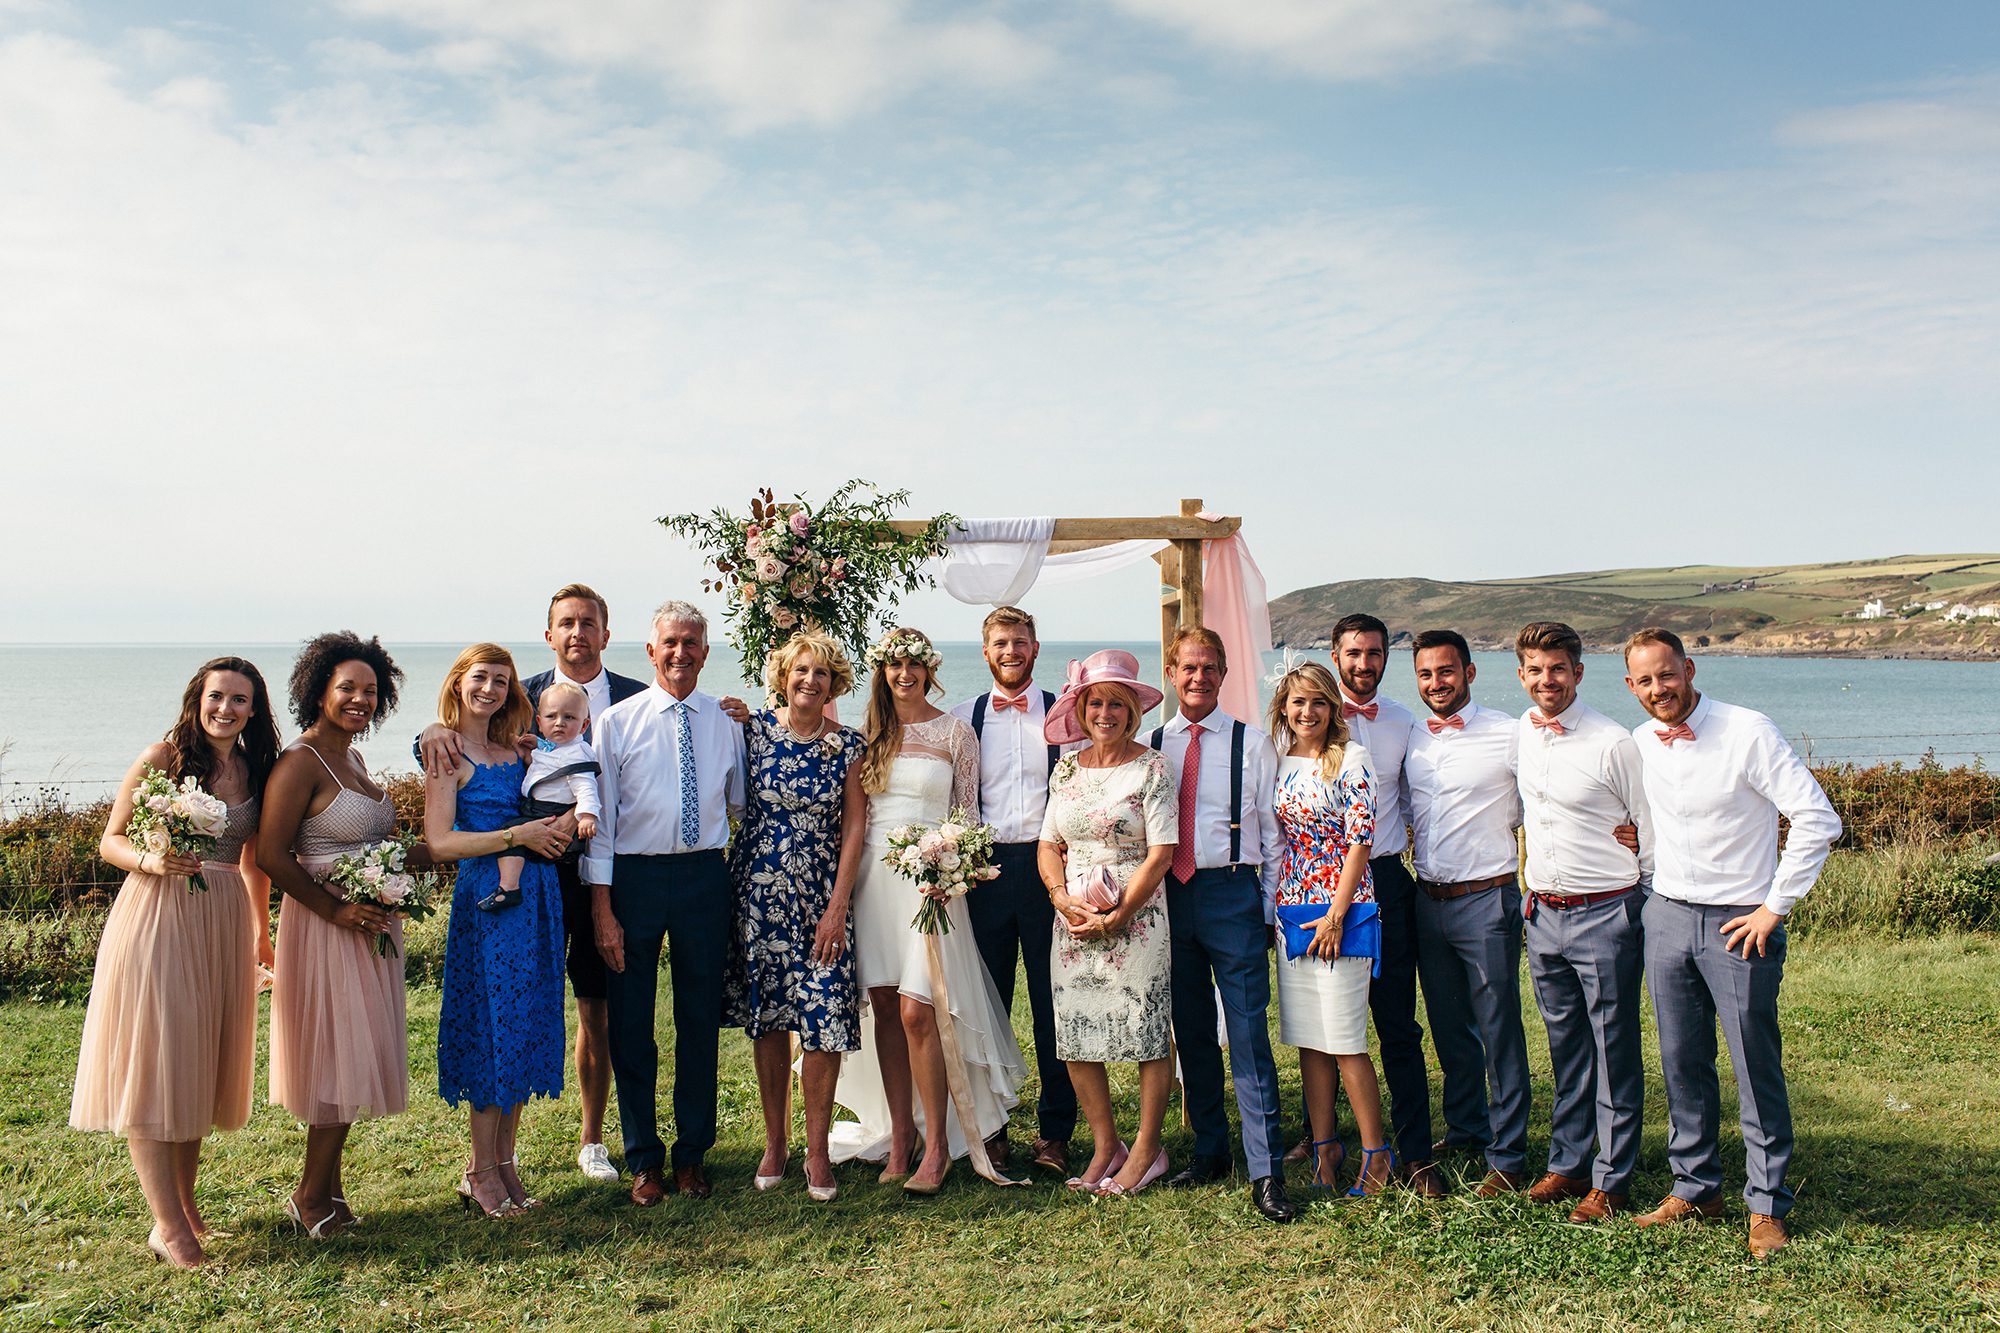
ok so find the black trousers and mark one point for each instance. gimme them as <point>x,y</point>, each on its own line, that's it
<point>1013,912</point>
<point>1392,1000</point>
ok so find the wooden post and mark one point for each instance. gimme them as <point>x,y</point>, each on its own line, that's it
<point>1180,594</point>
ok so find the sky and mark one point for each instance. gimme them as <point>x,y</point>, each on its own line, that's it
<point>397,314</point>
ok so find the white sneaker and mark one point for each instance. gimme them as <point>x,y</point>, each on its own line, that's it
<point>596,1163</point>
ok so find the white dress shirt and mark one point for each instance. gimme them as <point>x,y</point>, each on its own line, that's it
<point>1576,788</point>
<point>1013,766</point>
<point>541,783</point>
<point>637,744</point>
<point>1211,809</point>
<point>1715,802</point>
<point>1387,739</point>
<point>596,690</point>
<point>1464,804</point>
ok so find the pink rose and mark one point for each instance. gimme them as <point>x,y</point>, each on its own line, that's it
<point>783,618</point>
<point>840,567</point>
<point>800,524</point>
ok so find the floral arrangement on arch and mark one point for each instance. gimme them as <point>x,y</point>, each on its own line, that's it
<point>837,565</point>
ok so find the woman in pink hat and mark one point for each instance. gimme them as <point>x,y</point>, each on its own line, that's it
<point>1106,843</point>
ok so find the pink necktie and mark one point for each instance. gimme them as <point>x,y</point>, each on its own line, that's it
<point>1681,733</point>
<point>1359,710</point>
<point>1183,865</point>
<point>1541,723</point>
<point>1437,724</point>
<point>1001,702</point>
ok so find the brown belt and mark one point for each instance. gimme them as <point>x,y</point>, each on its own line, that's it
<point>1562,902</point>
<point>1444,893</point>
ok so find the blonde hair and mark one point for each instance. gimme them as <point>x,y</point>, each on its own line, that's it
<point>515,716</point>
<point>882,727</point>
<point>1202,635</point>
<point>563,688</point>
<point>1115,690</point>
<point>1006,615</point>
<point>808,643</point>
<point>1310,678</point>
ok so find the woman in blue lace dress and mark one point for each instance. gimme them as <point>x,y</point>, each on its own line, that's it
<point>793,865</point>
<point>500,1033</point>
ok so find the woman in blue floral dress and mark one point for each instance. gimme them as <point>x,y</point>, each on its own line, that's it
<point>500,1031</point>
<point>794,864</point>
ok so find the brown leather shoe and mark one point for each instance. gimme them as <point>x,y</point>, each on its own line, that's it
<point>1299,1151</point>
<point>1052,1156</point>
<point>1498,1183</point>
<point>1422,1179</point>
<point>998,1150</point>
<point>1673,1208</point>
<point>1767,1236</point>
<point>692,1181</point>
<point>648,1188</point>
<point>1597,1206</point>
<point>1553,1188</point>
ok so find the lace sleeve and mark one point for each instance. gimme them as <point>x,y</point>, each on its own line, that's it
<point>964,768</point>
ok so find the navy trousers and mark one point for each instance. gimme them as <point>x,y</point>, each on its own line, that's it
<point>1469,959</point>
<point>1585,962</point>
<point>1219,943</point>
<point>1392,1000</point>
<point>682,902</point>
<point>1013,913</point>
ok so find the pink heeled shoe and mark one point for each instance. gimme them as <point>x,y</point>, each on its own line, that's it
<point>1154,1172</point>
<point>1111,1168</point>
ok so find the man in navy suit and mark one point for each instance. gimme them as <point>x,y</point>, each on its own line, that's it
<point>579,629</point>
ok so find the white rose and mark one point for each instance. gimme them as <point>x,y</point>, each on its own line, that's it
<point>949,860</point>
<point>159,804</point>
<point>770,569</point>
<point>397,889</point>
<point>156,840</point>
<point>371,874</point>
<point>913,859</point>
<point>951,831</point>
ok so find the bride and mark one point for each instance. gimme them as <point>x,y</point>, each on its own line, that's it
<point>920,765</point>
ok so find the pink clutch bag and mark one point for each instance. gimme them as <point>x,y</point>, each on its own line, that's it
<point>1099,889</point>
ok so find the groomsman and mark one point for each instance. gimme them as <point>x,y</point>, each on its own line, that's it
<point>1580,779</point>
<point>578,631</point>
<point>1718,778</point>
<point>673,775</point>
<point>1464,808</point>
<point>1379,723</point>
<point>1013,911</point>
<point>1227,774</point>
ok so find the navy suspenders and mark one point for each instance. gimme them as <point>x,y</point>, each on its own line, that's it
<point>979,721</point>
<point>1236,731</point>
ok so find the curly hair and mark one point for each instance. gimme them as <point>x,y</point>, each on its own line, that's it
<point>808,643</point>
<point>257,742</point>
<point>319,658</point>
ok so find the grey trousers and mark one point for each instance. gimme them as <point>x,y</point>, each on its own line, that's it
<point>1469,961</point>
<point>1585,963</point>
<point>1696,982</point>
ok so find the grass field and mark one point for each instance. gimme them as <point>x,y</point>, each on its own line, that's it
<point>1892,1049</point>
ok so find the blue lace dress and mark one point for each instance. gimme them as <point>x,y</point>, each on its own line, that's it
<point>782,866</point>
<point>500,1034</point>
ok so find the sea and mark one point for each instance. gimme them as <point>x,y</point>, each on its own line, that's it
<point>73,716</point>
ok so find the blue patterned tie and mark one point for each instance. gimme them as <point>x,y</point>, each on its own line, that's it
<point>690,794</point>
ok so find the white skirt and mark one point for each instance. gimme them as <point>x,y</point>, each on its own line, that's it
<point>1324,1007</point>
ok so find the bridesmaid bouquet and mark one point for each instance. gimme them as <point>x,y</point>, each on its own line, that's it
<point>944,861</point>
<point>183,820</point>
<point>376,875</point>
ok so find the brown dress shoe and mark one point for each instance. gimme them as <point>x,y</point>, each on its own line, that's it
<point>998,1150</point>
<point>692,1181</point>
<point>1423,1179</point>
<point>648,1188</point>
<point>1052,1156</point>
<point>1299,1151</point>
<point>1498,1183</point>
<point>1673,1208</point>
<point>1597,1206</point>
<point>1552,1188</point>
<point>1767,1236</point>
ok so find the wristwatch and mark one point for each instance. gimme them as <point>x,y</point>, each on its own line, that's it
<point>507,837</point>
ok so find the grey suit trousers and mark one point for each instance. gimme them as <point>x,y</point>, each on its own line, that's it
<point>1469,961</point>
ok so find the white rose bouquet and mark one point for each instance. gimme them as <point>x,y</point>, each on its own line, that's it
<point>377,875</point>
<point>944,861</point>
<point>178,820</point>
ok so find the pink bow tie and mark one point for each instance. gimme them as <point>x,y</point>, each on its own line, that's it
<point>1683,732</point>
<point>1001,703</point>
<point>1545,723</point>
<point>1359,710</point>
<point>1437,724</point>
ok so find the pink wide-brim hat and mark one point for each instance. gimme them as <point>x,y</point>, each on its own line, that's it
<point>1113,666</point>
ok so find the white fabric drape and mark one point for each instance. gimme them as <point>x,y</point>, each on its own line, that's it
<point>995,561</point>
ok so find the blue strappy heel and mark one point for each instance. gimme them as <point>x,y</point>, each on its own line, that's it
<point>1367,1156</point>
<point>1313,1148</point>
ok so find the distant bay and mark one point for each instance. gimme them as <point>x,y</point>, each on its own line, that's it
<point>74,715</point>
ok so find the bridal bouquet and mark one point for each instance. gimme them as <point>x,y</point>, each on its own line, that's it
<point>376,875</point>
<point>180,820</point>
<point>944,861</point>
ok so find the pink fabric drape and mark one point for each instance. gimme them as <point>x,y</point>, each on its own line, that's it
<point>1233,605</point>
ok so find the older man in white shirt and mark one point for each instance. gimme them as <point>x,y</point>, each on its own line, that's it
<point>1580,780</point>
<point>1718,778</point>
<point>672,777</point>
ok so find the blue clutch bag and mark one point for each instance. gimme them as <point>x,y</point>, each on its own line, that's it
<point>1360,933</point>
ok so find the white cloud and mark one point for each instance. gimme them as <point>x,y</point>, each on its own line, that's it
<point>764,62</point>
<point>1375,39</point>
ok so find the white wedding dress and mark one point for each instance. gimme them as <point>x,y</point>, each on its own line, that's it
<point>936,771</point>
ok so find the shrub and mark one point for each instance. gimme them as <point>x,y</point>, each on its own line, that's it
<point>49,958</point>
<point>1961,896</point>
<point>1888,803</point>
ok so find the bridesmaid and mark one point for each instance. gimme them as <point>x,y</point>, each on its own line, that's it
<point>339,1045</point>
<point>500,1032</point>
<point>170,1039</point>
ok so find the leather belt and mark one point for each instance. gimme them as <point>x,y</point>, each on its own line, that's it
<point>1562,902</point>
<point>1444,893</point>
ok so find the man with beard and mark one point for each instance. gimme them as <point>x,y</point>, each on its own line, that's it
<point>1013,911</point>
<point>1718,778</point>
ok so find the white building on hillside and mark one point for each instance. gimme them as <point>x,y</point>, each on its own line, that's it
<point>1874,610</point>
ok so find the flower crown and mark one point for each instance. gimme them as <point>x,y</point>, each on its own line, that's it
<point>905,643</point>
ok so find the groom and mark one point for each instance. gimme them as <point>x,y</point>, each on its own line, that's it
<point>673,764</point>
